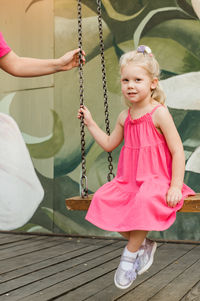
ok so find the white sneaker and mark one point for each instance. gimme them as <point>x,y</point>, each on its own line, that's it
<point>124,278</point>
<point>146,257</point>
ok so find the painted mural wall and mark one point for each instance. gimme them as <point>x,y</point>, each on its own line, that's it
<point>45,108</point>
<point>28,28</point>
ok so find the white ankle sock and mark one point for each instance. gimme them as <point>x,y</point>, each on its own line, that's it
<point>128,265</point>
<point>129,253</point>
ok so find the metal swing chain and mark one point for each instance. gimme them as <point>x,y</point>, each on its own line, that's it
<point>103,69</point>
<point>84,186</point>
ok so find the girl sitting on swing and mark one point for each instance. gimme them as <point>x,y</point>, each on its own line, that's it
<point>148,189</point>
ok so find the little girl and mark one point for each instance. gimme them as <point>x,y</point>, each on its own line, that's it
<point>148,188</point>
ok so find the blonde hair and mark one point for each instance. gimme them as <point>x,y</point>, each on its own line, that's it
<point>150,64</point>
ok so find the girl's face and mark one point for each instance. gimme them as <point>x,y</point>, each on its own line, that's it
<point>136,84</point>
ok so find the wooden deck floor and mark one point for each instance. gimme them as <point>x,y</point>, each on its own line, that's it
<point>38,268</point>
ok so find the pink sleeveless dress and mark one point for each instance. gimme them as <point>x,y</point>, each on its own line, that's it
<point>136,198</point>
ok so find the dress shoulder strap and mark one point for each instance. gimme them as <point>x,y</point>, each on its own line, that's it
<point>160,105</point>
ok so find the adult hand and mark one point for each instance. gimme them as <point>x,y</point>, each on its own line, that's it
<point>70,60</point>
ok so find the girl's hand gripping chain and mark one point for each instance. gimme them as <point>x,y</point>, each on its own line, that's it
<point>87,115</point>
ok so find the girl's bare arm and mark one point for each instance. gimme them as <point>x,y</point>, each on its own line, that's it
<point>108,143</point>
<point>166,124</point>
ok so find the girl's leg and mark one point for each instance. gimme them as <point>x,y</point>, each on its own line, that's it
<point>133,262</point>
<point>148,249</point>
<point>127,270</point>
<point>125,234</point>
<point>136,239</point>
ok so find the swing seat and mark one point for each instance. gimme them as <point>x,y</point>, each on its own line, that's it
<point>191,203</point>
<point>78,203</point>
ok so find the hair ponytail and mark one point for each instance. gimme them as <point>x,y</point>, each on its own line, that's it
<point>158,94</point>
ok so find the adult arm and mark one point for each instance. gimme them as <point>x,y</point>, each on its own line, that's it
<point>30,67</point>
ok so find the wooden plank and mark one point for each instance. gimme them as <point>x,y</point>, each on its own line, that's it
<point>48,262</point>
<point>36,244</point>
<point>191,203</point>
<point>194,293</point>
<point>180,285</point>
<point>54,249</point>
<point>95,269</point>
<point>91,289</point>
<point>53,270</point>
<point>19,243</point>
<point>78,203</point>
<point>68,262</point>
<point>165,255</point>
<point>165,278</point>
<point>10,238</point>
<point>83,269</point>
<point>62,282</point>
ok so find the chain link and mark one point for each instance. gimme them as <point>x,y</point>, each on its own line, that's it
<point>83,182</point>
<point>84,188</point>
<point>105,94</point>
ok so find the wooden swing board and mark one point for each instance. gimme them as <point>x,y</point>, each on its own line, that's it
<point>191,203</point>
<point>78,203</point>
